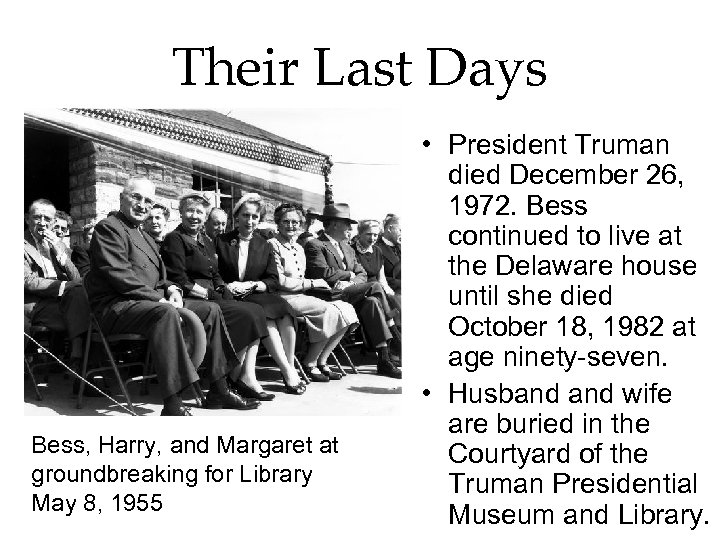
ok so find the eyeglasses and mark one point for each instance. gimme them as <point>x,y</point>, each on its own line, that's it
<point>59,228</point>
<point>287,222</point>
<point>139,199</point>
<point>42,219</point>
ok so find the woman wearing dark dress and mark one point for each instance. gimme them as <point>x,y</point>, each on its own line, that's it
<point>189,256</point>
<point>246,263</point>
<point>372,260</point>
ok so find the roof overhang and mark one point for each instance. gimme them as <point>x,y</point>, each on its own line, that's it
<point>266,178</point>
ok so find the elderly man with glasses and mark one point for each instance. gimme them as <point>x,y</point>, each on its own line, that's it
<point>129,292</point>
<point>54,296</point>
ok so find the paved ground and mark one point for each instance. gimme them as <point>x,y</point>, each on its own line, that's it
<point>356,394</point>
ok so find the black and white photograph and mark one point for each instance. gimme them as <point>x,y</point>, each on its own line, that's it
<point>184,262</point>
<point>236,256</point>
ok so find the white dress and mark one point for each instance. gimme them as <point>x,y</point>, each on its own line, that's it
<point>324,319</point>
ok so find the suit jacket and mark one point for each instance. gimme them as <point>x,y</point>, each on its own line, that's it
<point>324,262</point>
<point>261,264</point>
<point>391,263</point>
<point>189,261</point>
<point>81,258</point>
<point>37,285</point>
<point>122,266</point>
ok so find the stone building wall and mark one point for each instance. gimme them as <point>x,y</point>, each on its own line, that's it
<point>98,174</point>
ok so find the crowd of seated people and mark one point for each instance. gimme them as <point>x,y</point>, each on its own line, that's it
<point>249,286</point>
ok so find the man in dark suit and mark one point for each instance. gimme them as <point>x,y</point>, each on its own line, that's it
<point>80,253</point>
<point>54,296</point>
<point>129,293</point>
<point>216,223</point>
<point>329,257</point>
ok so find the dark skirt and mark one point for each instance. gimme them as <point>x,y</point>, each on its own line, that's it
<point>245,322</point>
<point>275,307</point>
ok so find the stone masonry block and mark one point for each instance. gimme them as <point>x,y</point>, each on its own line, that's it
<point>90,194</point>
<point>89,210</point>
<point>77,196</point>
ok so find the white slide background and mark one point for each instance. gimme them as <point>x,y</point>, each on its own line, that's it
<point>614,69</point>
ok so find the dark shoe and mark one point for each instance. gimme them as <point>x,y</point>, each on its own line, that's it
<point>395,347</point>
<point>229,400</point>
<point>181,411</point>
<point>387,368</point>
<point>329,373</point>
<point>315,375</point>
<point>395,359</point>
<point>245,391</point>
<point>297,390</point>
<point>395,331</point>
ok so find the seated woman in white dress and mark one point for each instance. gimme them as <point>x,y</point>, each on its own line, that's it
<point>327,322</point>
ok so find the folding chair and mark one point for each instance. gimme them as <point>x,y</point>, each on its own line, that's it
<point>301,344</point>
<point>347,358</point>
<point>302,333</point>
<point>96,335</point>
<point>195,341</point>
<point>301,370</point>
<point>354,338</point>
<point>44,336</point>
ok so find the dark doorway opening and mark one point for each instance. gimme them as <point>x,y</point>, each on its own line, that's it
<point>47,168</point>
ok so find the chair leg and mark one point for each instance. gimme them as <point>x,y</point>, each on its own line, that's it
<point>337,363</point>
<point>347,357</point>
<point>300,368</point>
<point>83,369</point>
<point>115,369</point>
<point>38,395</point>
<point>146,374</point>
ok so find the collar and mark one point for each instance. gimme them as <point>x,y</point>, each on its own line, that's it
<point>289,244</point>
<point>326,237</point>
<point>360,249</point>
<point>126,220</point>
<point>242,238</point>
<point>388,242</point>
<point>197,237</point>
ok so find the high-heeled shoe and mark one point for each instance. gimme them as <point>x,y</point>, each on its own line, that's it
<point>297,390</point>
<point>315,375</point>
<point>247,392</point>
<point>329,373</point>
<point>181,411</point>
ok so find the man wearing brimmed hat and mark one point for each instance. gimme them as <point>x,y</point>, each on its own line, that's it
<point>329,257</point>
